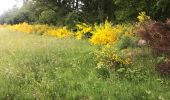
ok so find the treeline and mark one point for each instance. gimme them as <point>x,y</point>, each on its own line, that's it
<point>68,12</point>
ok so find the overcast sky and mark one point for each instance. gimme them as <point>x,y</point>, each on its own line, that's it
<point>7,4</point>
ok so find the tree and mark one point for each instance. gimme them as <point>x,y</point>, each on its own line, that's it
<point>68,12</point>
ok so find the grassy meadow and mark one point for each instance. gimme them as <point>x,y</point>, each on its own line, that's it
<point>36,67</point>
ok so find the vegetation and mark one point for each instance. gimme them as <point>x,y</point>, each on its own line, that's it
<point>34,67</point>
<point>68,12</point>
<point>85,49</point>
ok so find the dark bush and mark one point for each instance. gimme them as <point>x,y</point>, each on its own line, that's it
<point>157,34</point>
<point>164,68</point>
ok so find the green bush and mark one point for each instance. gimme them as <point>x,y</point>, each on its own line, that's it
<point>127,41</point>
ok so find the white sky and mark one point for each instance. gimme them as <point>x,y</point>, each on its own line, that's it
<point>7,4</point>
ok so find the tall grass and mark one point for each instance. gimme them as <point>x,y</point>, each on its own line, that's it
<point>46,68</point>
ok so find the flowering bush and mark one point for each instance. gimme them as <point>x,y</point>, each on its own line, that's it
<point>109,58</point>
<point>27,28</point>
<point>40,29</point>
<point>121,63</point>
<point>112,58</point>
<point>107,34</point>
<point>83,30</point>
<point>22,27</point>
<point>59,32</point>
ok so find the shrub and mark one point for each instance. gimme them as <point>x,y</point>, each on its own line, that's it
<point>135,74</point>
<point>59,32</point>
<point>27,28</point>
<point>127,41</point>
<point>120,63</point>
<point>157,34</point>
<point>22,27</point>
<point>40,29</point>
<point>164,68</point>
<point>112,58</point>
<point>109,59</point>
<point>83,31</point>
<point>105,34</point>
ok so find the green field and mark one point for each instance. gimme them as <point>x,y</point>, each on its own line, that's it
<point>34,67</point>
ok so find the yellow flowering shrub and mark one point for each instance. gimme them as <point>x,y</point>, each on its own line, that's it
<point>41,29</point>
<point>111,58</point>
<point>143,17</point>
<point>22,27</point>
<point>105,34</point>
<point>99,34</point>
<point>108,34</point>
<point>27,28</point>
<point>82,29</point>
<point>59,32</point>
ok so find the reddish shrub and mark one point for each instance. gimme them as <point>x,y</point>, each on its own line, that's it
<point>157,34</point>
<point>164,68</point>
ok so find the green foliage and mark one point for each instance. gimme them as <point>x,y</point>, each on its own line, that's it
<point>19,15</point>
<point>122,66</point>
<point>103,73</point>
<point>127,41</point>
<point>65,12</point>
<point>48,17</point>
<point>132,74</point>
<point>128,9</point>
<point>72,19</point>
<point>161,59</point>
<point>123,59</point>
<point>14,16</point>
